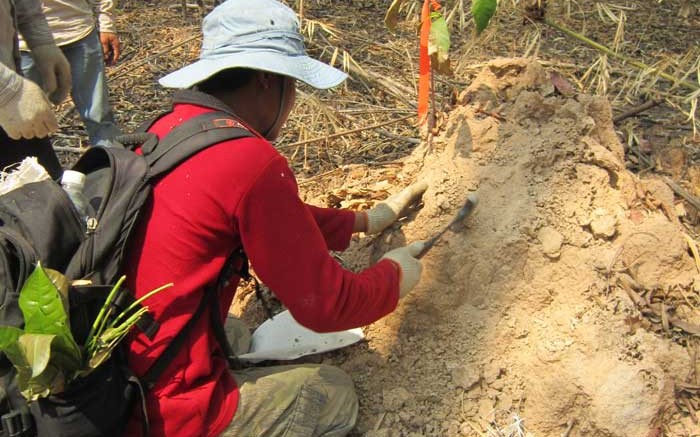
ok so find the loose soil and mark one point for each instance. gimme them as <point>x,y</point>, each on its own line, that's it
<point>519,314</point>
<point>562,302</point>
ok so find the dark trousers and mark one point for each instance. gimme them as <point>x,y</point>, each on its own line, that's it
<point>14,151</point>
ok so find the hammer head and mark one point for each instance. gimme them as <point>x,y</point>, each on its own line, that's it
<point>463,212</point>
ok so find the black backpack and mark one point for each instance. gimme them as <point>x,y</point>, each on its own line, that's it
<point>38,222</point>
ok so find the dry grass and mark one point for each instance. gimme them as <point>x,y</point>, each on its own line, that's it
<point>352,36</point>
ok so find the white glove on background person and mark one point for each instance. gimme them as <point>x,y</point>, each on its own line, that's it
<point>55,71</point>
<point>28,114</point>
<point>386,212</point>
<point>410,267</point>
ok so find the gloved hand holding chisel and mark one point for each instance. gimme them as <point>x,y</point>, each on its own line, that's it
<point>407,258</point>
<point>383,215</point>
<point>386,212</point>
<point>410,267</point>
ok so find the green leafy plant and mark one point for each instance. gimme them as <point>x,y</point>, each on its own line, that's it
<point>439,44</point>
<point>482,12</point>
<point>44,353</point>
<point>434,43</point>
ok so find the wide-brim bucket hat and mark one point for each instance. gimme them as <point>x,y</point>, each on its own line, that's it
<point>259,35</point>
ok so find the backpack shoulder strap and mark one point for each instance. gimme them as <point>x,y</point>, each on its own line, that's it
<point>210,300</point>
<point>140,135</point>
<point>192,136</point>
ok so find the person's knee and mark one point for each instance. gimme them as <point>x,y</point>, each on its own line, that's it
<point>238,335</point>
<point>339,379</point>
<point>341,407</point>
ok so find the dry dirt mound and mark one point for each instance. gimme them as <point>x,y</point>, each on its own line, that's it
<point>521,315</point>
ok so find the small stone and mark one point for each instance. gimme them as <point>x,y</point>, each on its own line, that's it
<point>586,125</point>
<point>465,377</point>
<point>604,226</point>
<point>498,384</point>
<point>602,223</point>
<point>551,241</point>
<point>600,264</point>
<point>486,409</point>
<point>492,372</point>
<point>395,399</point>
<point>636,216</point>
<point>450,427</point>
<point>406,416</point>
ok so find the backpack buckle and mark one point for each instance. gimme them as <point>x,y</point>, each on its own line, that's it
<point>150,144</point>
<point>16,423</point>
<point>226,122</point>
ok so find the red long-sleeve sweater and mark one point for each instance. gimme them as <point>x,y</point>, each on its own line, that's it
<point>239,192</point>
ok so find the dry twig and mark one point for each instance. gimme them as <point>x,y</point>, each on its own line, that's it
<point>694,201</point>
<point>344,133</point>
<point>636,110</point>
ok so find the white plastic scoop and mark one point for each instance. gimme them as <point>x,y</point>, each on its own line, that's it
<point>283,338</point>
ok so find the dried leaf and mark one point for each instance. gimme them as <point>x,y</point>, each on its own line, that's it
<point>633,323</point>
<point>693,249</point>
<point>562,85</point>
<point>688,327</point>
<point>391,17</point>
<point>664,318</point>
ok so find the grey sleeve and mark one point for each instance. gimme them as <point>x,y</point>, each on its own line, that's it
<point>10,83</point>
<point>31,23</point>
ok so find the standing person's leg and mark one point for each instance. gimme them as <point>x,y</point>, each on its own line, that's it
<point>294,401</point>
<point>29,69</point>
<point>90,93</point>
<point>14,151</point>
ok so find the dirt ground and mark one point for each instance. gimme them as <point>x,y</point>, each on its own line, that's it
<point>568,304</point>
<point>528,312</point>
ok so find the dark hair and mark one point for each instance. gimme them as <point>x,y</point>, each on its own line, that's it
<point>226,80</point>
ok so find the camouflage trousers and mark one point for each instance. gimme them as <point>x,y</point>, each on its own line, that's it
<point>291,401</point>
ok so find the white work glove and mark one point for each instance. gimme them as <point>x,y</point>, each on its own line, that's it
<point>411,268</point>
<point>28,114</point>
<point>386,212</point>
<point>55,71</point>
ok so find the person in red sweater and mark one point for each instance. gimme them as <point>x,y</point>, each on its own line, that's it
<point>242,194</point>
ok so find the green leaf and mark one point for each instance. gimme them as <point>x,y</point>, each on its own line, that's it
<point>391,17</point>
<point>62,285</point>
<point>99,356</point>
<point>37,351</point>
<point>9,345</point>
<point>482,11</point>
<point>44,376</point>
<point>30,355</point>
<point>439,43</point>
<point>44,310</point>
<point>50,381</point>
<point>8,337</point>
